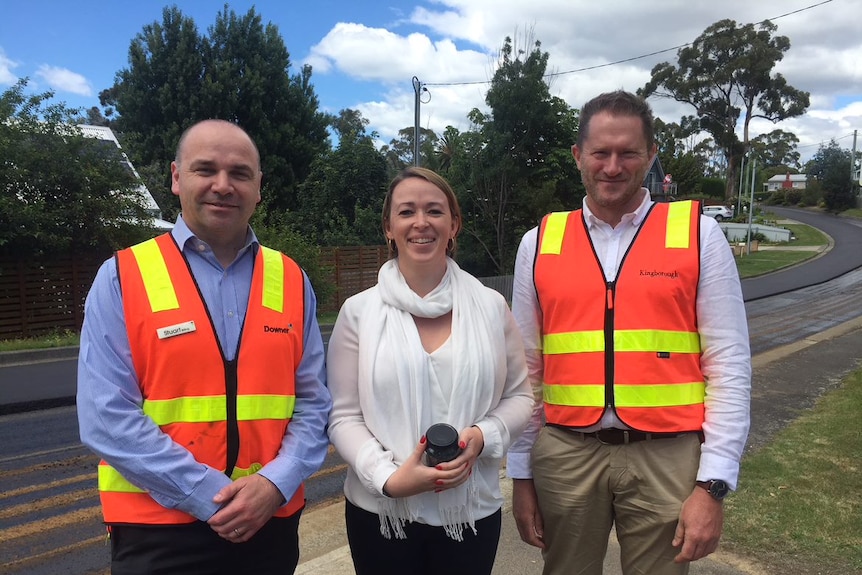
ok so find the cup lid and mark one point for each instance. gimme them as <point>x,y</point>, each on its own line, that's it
<point>441,435</point>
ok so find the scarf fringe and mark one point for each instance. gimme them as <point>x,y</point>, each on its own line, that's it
<point>394,514</point>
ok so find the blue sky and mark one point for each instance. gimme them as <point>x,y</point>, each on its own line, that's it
<point>364,53</point>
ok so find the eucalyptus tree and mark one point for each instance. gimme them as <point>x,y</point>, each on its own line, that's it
<point>726,74</point>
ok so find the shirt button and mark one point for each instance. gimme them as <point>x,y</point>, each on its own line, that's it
<point>230,314</point>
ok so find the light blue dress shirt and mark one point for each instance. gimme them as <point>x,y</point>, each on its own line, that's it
<point>110,418</point>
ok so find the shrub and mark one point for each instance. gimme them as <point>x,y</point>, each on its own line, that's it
<point>713,187</point>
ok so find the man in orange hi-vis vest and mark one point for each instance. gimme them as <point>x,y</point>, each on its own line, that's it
<point>201,379</point>
<point>636,339</point>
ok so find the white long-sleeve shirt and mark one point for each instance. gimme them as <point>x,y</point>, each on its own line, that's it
<point>354,441</point>
<point>722,325</point>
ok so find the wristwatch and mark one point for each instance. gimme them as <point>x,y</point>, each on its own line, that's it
<point>717,488</point>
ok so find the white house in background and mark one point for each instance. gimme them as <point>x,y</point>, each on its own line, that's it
<point>106,134</point>
<point>786,182</point>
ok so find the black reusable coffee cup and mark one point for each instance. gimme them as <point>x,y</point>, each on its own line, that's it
<point>441,444</point>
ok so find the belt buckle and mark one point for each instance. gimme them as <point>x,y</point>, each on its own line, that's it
<point>611,433</point>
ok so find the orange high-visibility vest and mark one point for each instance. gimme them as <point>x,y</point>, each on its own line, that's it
<point>219,411</point>
<point>631,344</point>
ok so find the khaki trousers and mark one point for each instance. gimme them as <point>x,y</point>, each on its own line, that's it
<point>584,487</point>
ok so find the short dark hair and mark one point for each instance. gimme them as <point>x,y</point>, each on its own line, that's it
<point>618,103</point>
<point>437,180</point>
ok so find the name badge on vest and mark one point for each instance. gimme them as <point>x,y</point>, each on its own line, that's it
<point>176,329</point>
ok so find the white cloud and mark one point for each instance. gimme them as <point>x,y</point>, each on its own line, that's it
<point>7,76</point>
<point>453,42</point>
<point>64,80</point>
<point>377,54</point>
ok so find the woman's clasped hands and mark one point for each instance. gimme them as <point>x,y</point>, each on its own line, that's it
<point>414,477</point>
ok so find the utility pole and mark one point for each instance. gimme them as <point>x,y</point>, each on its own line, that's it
<point>417,89</point>
<point>750,208</point>
<point>853,159</point>
<point>741,189</point>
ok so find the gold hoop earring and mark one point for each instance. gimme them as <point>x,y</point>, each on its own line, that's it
<point>450,247</point>
<point>392,247</point>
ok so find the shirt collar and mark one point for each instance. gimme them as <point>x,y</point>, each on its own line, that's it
<point>183,235</point>
<point>634,218</point>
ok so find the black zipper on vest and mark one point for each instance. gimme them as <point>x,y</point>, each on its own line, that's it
<point>231,384</point>
<point>610,293</point>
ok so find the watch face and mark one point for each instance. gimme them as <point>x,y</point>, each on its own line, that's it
<point>718,489</point>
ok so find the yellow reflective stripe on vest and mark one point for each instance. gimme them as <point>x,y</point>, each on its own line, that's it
<point>256,407</point>
<point>273,279</point>
<point>657,340</point>
<point>573,342</point>
<point>659,395</point>
<point>552,237</point>
<point>678,230</point>
<point>111,480</point>
<point>157,280</point>
<point>624,341</point>
<point>580,395</point>
<point>204,409</point>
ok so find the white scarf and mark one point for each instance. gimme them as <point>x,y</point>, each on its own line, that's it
<point>398,420</point>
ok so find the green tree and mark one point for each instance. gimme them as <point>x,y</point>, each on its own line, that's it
<point>726,75</point>
<point>61,191</point>
<point>517,163</point>
<point>158,96</point>
<point>830,166</point>
<point>248,81</point>
<point>240,72</point>
<point>399,152</point>
<point>343,195</point>
<point>777,149</point>
<point>676,150</point>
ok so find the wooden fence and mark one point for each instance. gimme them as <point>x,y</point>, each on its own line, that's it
<point>353,269</point>
<point>40,297</point>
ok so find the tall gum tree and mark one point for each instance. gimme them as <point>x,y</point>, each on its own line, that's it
<point>726,75</point>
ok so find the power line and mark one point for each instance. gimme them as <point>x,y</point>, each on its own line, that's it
<point>633,58</point>
<point>844,137</point>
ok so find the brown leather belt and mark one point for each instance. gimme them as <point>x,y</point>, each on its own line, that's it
<point>614,436</point>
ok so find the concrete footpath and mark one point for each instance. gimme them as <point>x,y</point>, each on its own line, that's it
<point>786,380</point>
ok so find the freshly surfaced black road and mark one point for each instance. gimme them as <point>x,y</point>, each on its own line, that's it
<point>844,256</point>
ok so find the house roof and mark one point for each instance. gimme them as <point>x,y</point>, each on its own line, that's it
<point>105,133</point>
<point>788,177</point>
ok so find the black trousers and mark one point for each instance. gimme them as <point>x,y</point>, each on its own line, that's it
<point>195,549</point>
<point>426,550</point>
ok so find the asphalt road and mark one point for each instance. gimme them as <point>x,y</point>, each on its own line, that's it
<point>844,256</point>
<point>49,515</point>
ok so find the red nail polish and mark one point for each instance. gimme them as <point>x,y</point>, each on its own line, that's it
<point>438,491</point>
<point>422,439</point>
<point>438,482</point>
<point>462,445</point>
<point>439,468</point>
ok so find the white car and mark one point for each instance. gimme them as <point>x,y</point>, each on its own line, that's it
<point>718,212</point>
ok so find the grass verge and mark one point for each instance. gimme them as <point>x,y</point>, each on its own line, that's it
<point>807,236</point>
<point>55,339</point>
<point>799,507</point>
<point>762,262</point>
<point>67,337</point>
